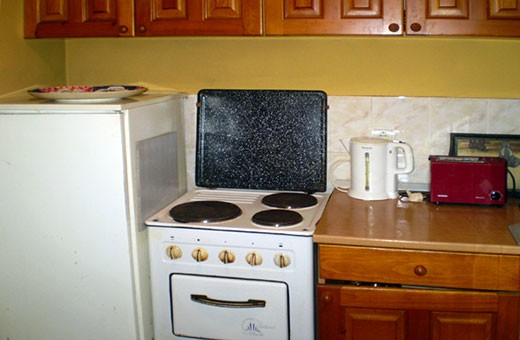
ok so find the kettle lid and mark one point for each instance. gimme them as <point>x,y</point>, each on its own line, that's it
<point>370,140</point>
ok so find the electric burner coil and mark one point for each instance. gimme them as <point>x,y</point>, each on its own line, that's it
<point>289,200</point>
<point>277,218</point>
<point>204,211</point>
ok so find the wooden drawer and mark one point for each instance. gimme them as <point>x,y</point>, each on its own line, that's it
<point>422,268</point>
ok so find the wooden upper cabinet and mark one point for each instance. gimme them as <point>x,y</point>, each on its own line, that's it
<point>198,17</point>
<point>334,17</point>
<point>464,17</point>
<point>389,17</point>
<point>98,18</point>
<point>74,18</point>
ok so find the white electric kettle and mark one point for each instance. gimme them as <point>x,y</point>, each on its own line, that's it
<point>374,167</point>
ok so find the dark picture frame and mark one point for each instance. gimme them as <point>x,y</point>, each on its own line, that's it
<point>489,145</point>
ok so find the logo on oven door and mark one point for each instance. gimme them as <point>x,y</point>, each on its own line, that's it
<point>253,327</point>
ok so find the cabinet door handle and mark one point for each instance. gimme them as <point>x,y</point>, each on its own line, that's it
<point>420,270</point>
<point>416,27</point>
<point>393,27</point>
<point>123,29</point>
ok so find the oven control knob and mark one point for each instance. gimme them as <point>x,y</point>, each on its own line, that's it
<point>282,260</point>
<point>254,259</point>
<point>174,252</point>
<point>199,254</point>
<point>226,256</point>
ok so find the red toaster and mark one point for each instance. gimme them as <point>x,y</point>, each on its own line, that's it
<point>468,179</point>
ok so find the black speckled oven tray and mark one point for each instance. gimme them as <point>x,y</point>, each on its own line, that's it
<point>262,139</point>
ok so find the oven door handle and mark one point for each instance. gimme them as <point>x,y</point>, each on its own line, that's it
<point>204,299</point>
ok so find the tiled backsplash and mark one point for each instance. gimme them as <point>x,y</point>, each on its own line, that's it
<point>424,123</point>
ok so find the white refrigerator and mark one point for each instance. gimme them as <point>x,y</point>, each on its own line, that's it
<point>76,182</point>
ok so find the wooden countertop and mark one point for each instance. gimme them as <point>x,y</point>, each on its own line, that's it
<point>421,226</point>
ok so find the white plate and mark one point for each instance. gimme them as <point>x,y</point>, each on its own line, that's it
<point>87,94</point>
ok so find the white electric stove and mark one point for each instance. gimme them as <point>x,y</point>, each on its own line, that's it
<point>238,263</point>
<point>234,278</point>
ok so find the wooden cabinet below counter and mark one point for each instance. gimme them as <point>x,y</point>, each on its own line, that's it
<point>396,270</point>
<point>377,293</point>
<point>367,313</point>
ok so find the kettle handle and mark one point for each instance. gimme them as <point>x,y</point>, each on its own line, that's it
<point>332,179</point>
<point>408,157</point>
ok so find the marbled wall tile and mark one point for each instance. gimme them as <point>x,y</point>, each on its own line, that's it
<point>408,115</point>
<point>411,117</point>
<point>504,116</point>
<point>347,117</point>
<point>455,115</point>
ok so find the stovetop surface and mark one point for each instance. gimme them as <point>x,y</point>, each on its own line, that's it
<point>250,202</point>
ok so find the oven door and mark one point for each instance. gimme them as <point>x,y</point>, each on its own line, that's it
<point>224,308</point>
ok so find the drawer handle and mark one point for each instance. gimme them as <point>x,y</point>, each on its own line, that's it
<point>227,304</point>
<point>420,270</point>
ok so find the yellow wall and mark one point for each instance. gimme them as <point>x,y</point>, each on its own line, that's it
<point>425,66</point>
<point>452,67</point>
<point>24,63</point>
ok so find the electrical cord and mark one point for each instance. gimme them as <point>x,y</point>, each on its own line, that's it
<point>406,195</point>
<point>414,197</point>
<point>514,193</point>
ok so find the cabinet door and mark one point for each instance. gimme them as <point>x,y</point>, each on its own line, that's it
<point>330,17</point>
<point>468,326</point>
<point>354,313</point>
<point>464,17</point>
<point>369,324</point>
<point>198,17</point>
<point>72,18</point>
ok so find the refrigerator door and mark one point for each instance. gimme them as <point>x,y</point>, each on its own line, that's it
<point>64,236</point>
<point>73,254</point>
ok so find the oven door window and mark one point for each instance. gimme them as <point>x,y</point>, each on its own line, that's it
<point>224,308</point>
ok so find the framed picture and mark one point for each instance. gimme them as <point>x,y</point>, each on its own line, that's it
<point>489,145</point>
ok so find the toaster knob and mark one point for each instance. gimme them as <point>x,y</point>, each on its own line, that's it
<point>495,195</point>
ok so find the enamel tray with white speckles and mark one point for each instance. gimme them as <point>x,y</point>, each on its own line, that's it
<point>262,139</point>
